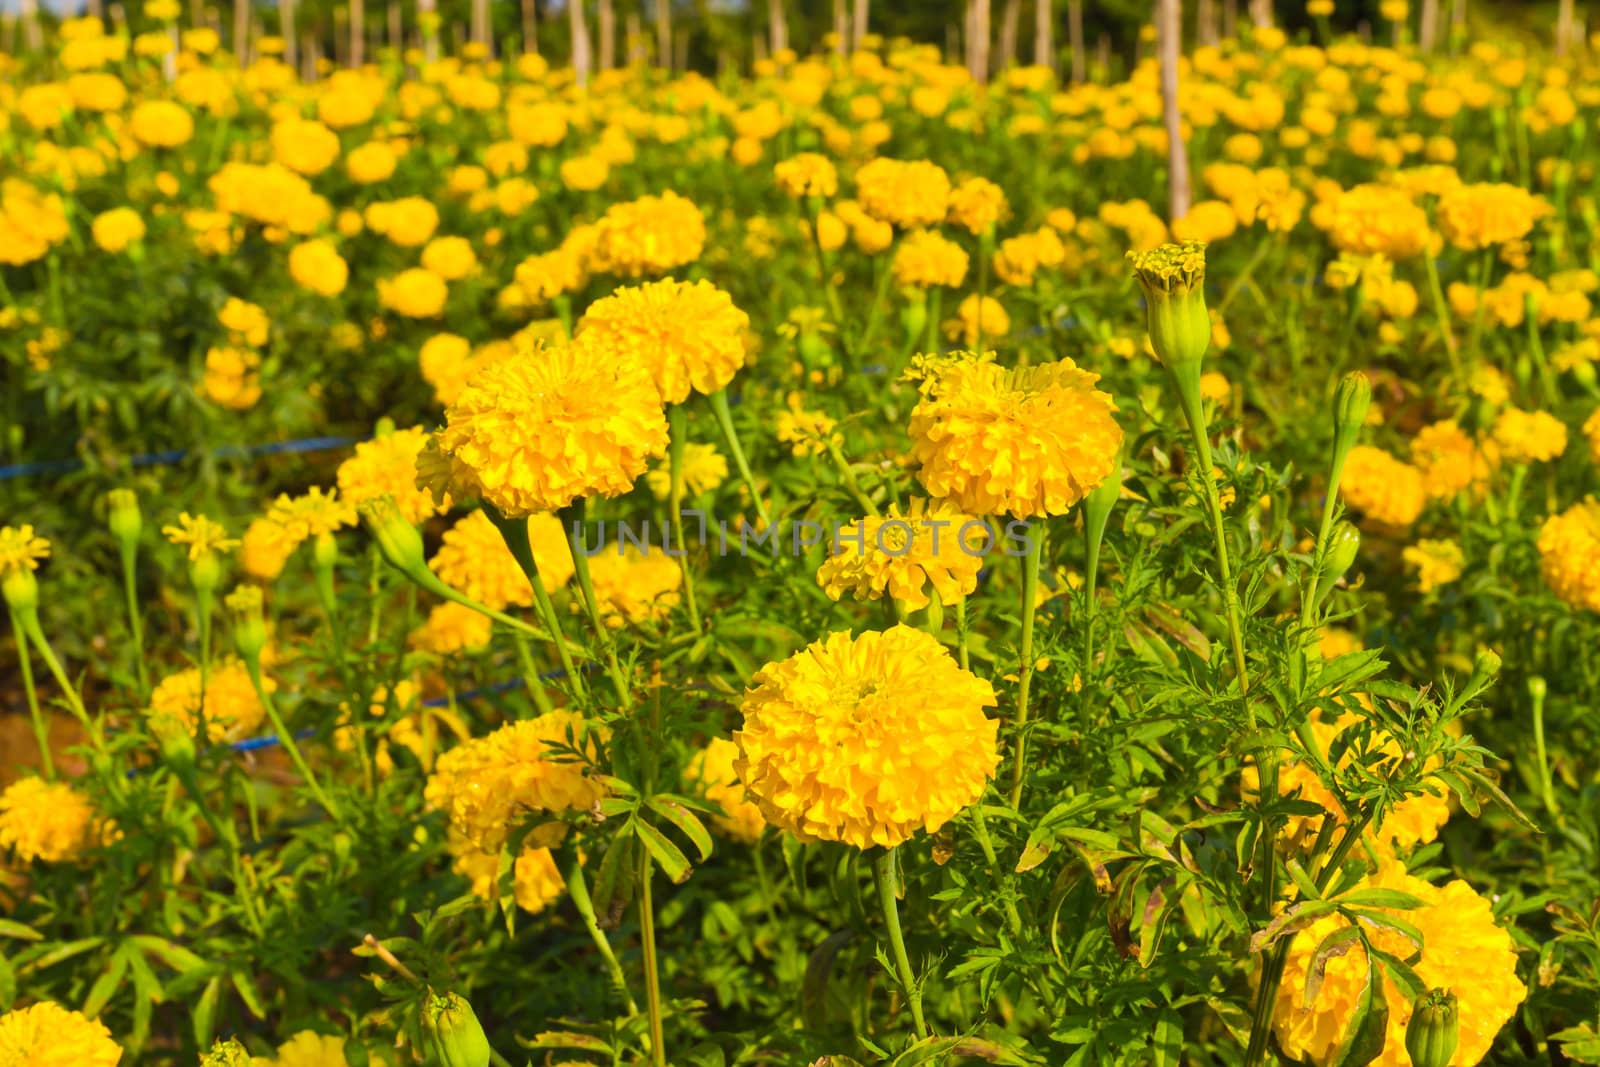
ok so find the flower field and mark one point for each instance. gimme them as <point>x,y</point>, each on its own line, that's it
<point>849,558</point>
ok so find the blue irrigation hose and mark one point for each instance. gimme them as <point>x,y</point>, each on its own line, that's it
<point>178,455</point>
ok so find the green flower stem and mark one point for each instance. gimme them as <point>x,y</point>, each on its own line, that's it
<point>1541,365</point>
<point>848,476</point>
<point>515,534</point>
<point>985,251</point>
<point>652,967</point>
<point>835,306</point>
<point>1263,246</point>
<point>1019,722</point>
<point>30,626</point>
<point>930,343</point>
<point>962,656</point>
<point>980,830</point>
<point>135,620</point>
<point>886,872</point>
<point>1272,971</point>
<point>41,726</point>
<point>530,674</point>
<point>286,738</point>
<point>680,442</point>
<point>578,889</point>
<point>1441,311</point>
<point>1475,341</point>
<point>1547,791</point>
<point>880,292</point>
<point>719,407</point>
<point>608,645</point>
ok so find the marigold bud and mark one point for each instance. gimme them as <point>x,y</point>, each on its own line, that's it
<point>125,520</point>
<point>21,590</point>
<point>1344,544</point>
<point>398,540</point>
<point>1350,405</point>
<point>1173,278</point>
<point>205,572</point>
<point>1538,689</point>
<point>1434,1030</point>
<point>227,1053</point>
<point>458,1037</point>
<point>324,552</point>
<point>249,627</point>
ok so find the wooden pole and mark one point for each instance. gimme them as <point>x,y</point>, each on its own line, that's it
<point>580,41</point>
<point>291,36</point>
<point>32,35</point>
<point>606,25</point>
<point>858,24</point>
<point>1261,13</point>
<point>1010,25</point>
<point>978,41</point>
<point>1044,45</point>
<point>1080,57</point>
<point>1205,17</point>
<point>1169,39</point>
<point>777,26</point>
<point>530,27</point>
<point>841,28</point>
<point>664,33</point>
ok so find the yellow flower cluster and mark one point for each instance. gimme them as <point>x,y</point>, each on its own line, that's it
<point>1489,213</point>
<point>978,318</point>
<point>47,821</point>
<point>1529,436</point>
<point>903,194</point>
<point>1386,490</point>
<point>1463,950</point>
<point>1020,258</point>
<point>688,335</point>
<point>807,174</point>
<point>926,258</point>
<point>633,586</point>
<point>651,235</point>
<point>1372,219</point>
<point>387,466</point>
<point>866,740</point>
<point>1569,555</point>
<point>1437,563</point>
<point>713,769</point>
<point>545,427</point>
<point>1450,461</point>
<point>474,560</point>
<point>232,708</point>
<point>900,554</point>
<point>21,550</point>
<point>1030,441</point>
<point>47,1035</point>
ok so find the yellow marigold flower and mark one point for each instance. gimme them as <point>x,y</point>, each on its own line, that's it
<point>1437,563</point>
<point>1486,213</point>
<point>1209,220</point>
<point>200,535</point>
<point>486,785</point>
<point>372,162</point>
<point>1450,461</point>
<point>1529,436</point>
<point>712,768</point>
<point>161,124</point>
<point>264,550</point>
<point>1027,442</point>
<point>474,560</point>
<point>805,432</point>
<point>20,550</point>
<point>246,321</point>
<point>47,1035</point>
<point>417,293</point>
<point>688,335</point>
<point>1569,555</point>
<point>535,879</point>
<point>904,194</point>
<point>387,466</point>
<point>452,628</point>
<point>1214,387</point>
<point>311,1049</point>
<point>1388,491</point>
<point>900,554</point>
<point>704,468</point>
<point>315,512</point>
<point>978,318</point>
<point>48,821</point>
<point>1463,950</point>
<point>315,265</point>
<point>546,426</point>
<point>232,708</point>
<point>584,173</point>
<point>1489,383</point>
<point>977,204</point>
<point>633,586</point>
<point>116,229</point>
<point>305,146</point>
<point>926,258</point>
<point>451,258</point>
<point>445,362</point>
<point>1374,218</point>
<point>1020,258</point>
<point>864,740</point>
<point>807,174</point>
<point>651,235</point>
<point>408,222</point>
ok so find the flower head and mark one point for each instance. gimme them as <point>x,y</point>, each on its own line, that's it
<point>688,335</point>
<point>1463,950</point>
<point>387,466</point>
<point>1437,563</point>
<point>1489,213</point>
<point>905,194</point>
<point>1173,278</point>
<point>864,740</point>
<point>543,427</point>
<point>651,235</point>
<point>713,768</point>
<point>20,550</point>
<point>1569,555</point>
<point>807,174</point>
<point>473,559</point>
<point>901,554</point>
<point>315,512</point>
<point>1529,436</point>
<point>1388,491</point>
<point>1026,442</point>
<point>1451,462</point>
<point>201,536</point>
<point>232,708</point>
<point>48,821</point>
<point>927,258</point>
<point>704,469</point>
<point>633,586</point>
<point>47,1035</point>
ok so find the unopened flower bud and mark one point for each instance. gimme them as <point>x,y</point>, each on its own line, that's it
<point>384,427</point>
<point>205,572</point>
<point>1173,278</point>
<point>1350,405</point>
<point>177,745</point>
<point>1434,1030</point>
<point>914,314</point>
<point>125,520</point>
<point>324,552</point>
<point>249,626</point>
<point>21,590</point>
<point>227,1053</point>
<point>457,1036</point>
<point>1486,666</point>
<point>1538,689</point>
<point>1344,544</point>
<point>398,540</point>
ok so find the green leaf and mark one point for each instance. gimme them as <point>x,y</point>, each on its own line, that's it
<point>1334,945</point>
<point>105,987</point>
<point>1290,920</point>
<point>1302,880</point>
<point>178,958</point>
<point>204,1018</point>
<point>613,885</point>
<point>671,858</point>
<point>1380,898</point>
<point>1482,781</point>
<point>1166,1040</point>
<point>245,986</point>
<point>11,928</point>
<point>685,821</point>
<point>1364,1038</point>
